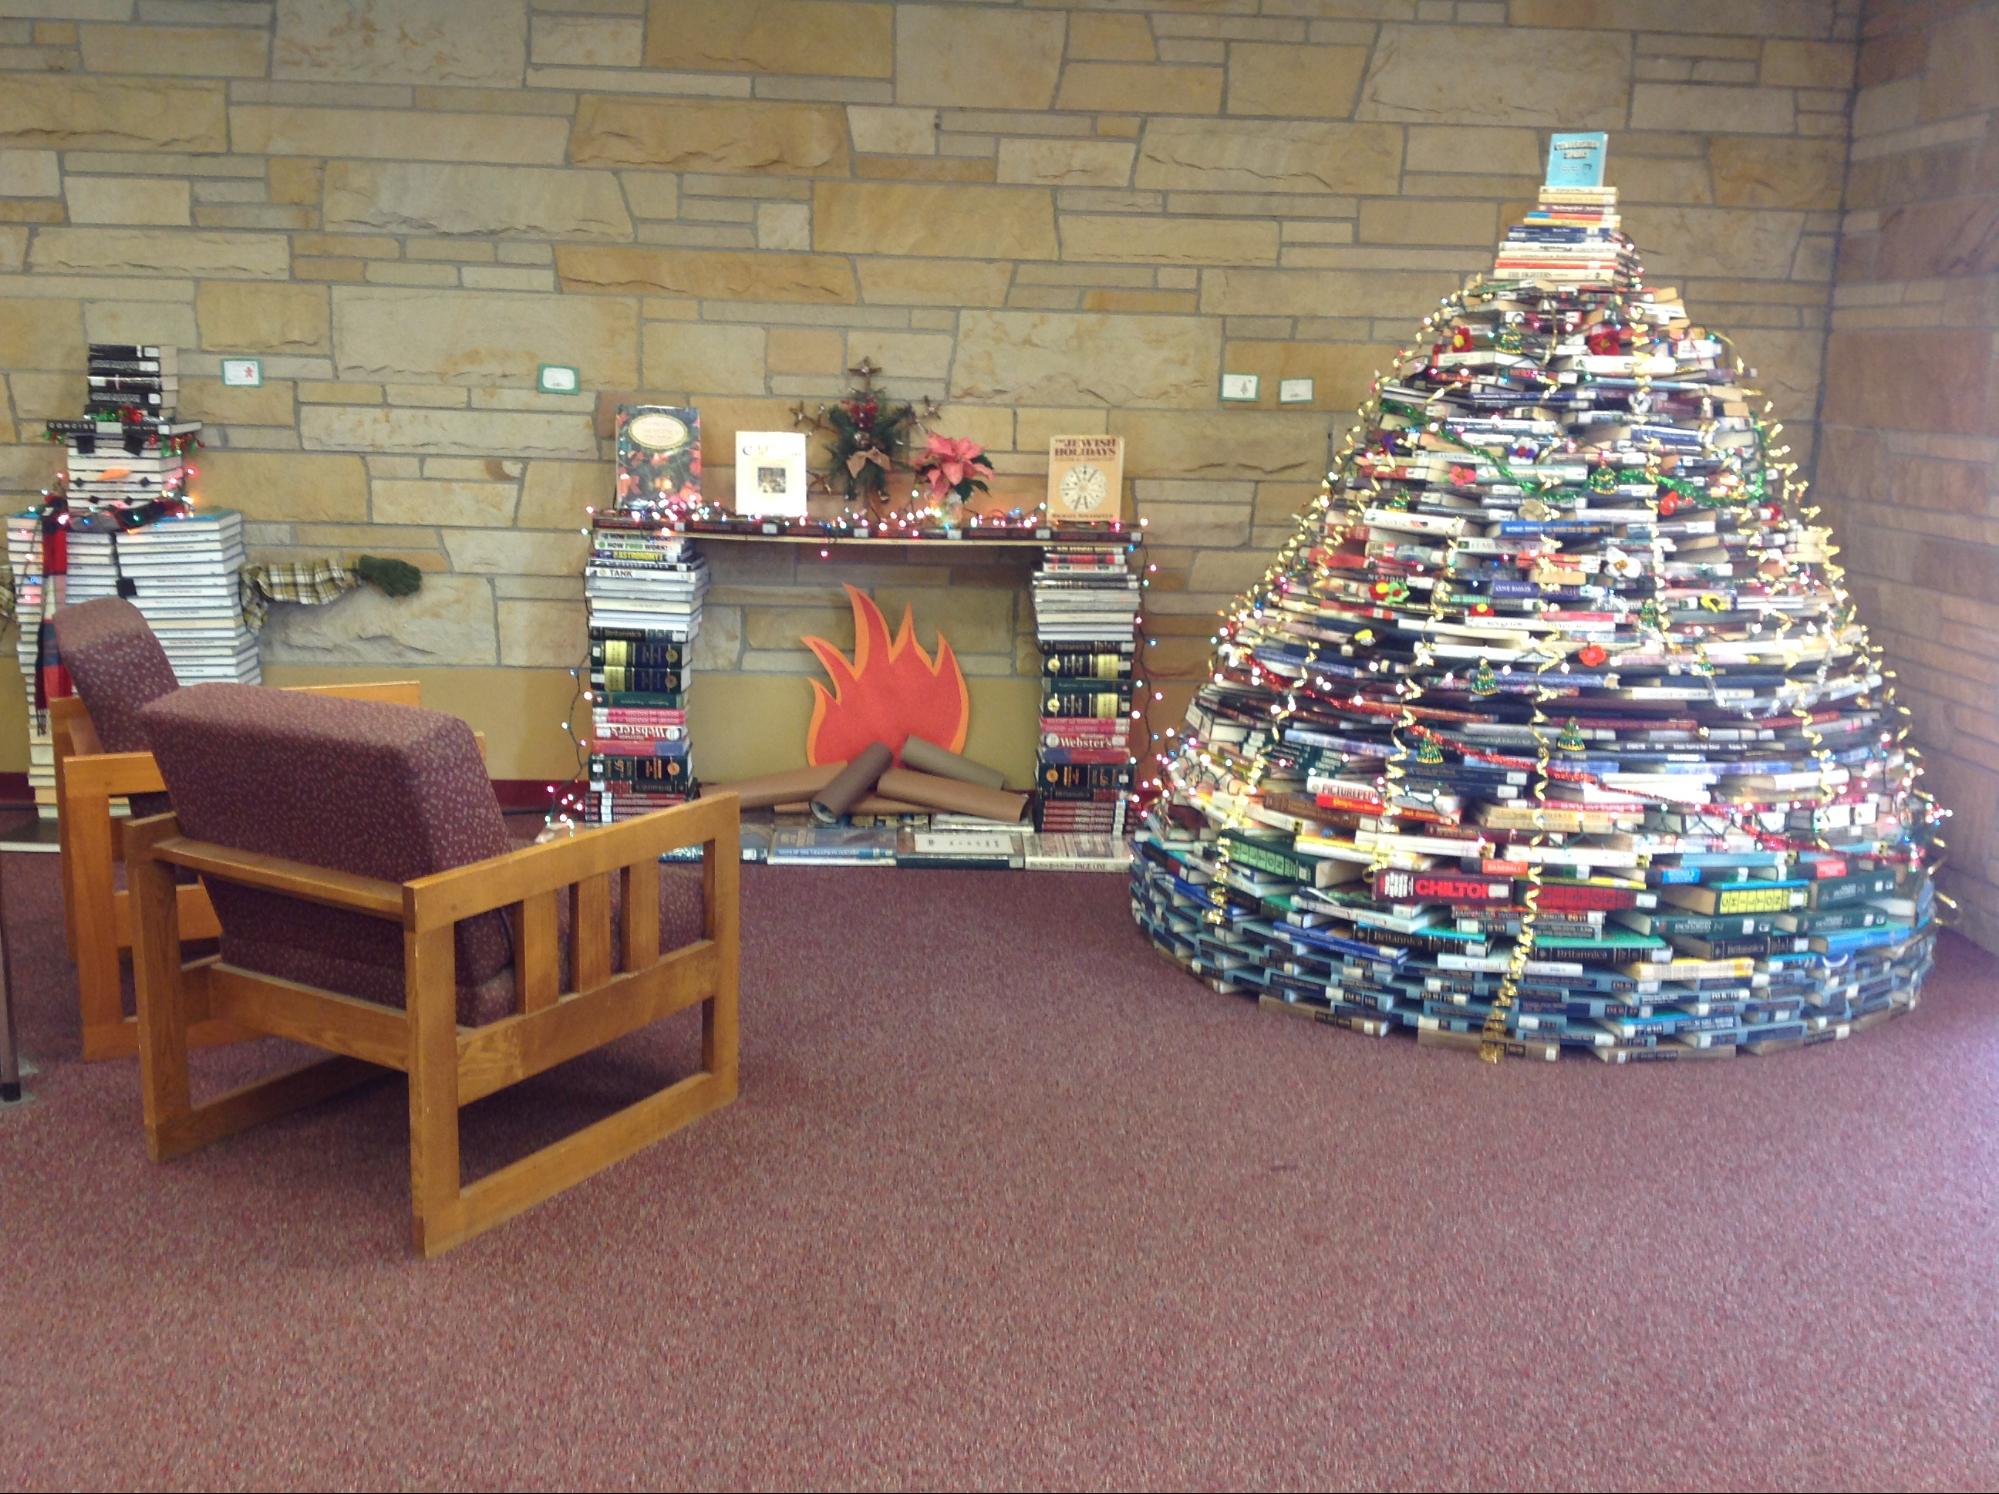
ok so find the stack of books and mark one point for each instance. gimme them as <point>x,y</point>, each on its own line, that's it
<point>184,572</point>
<point>127,449</point>
<point>1572,237</point>
<point>121,525</point>
<point>1085,611</point>
<point>642,588</point>
<point>24,559</point>
<point>1554,728</point>
<point>132,381</point>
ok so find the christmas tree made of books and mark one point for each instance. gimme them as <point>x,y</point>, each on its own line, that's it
<point>1553,726</point>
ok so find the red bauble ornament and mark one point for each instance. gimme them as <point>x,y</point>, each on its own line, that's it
<point>1592,654</point>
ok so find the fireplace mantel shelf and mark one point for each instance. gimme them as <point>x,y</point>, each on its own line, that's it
<point>1015,539</point>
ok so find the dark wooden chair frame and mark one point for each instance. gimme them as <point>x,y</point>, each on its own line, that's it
<point>558,1014</point>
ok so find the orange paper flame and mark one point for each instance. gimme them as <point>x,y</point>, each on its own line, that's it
<point>890,691</point>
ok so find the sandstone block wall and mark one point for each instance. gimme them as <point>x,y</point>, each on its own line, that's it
<point>1909,467</point>
<point>1055,217</point>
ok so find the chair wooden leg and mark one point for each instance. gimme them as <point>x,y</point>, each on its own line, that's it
<point>88,860</point>
<point>156,970</point>
<point>432,1006</point>
<point>521,1185</point>
<point>68,863</point>
<point>722,871</point>
<point>259,1101</point>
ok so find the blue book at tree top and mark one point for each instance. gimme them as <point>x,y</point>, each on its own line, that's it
<point>1577,160</point>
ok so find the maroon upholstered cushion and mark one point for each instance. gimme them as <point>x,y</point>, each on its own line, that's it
<point>119,668</point>
<point>117,664</point>
<point>355,786</point>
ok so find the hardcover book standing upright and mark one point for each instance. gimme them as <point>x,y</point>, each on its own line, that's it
<point>770,473</point>
<point>1577,160</point>
<point>659,457</point>
<point>1085,477</point>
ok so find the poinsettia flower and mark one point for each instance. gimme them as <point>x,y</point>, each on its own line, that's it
<point>1461,339</point>
<point>950,463</point>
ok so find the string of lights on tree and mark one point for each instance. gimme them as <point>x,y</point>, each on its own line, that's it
<point>1308,556</point>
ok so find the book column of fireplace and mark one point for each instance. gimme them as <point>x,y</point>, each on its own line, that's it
<point>642,590</point>
<point>1086,621</point>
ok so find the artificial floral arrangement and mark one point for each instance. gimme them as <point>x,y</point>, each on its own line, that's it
<point>954,467</point>
<point>869,436</point>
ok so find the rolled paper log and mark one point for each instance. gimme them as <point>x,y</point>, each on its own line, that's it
<point>852,783</point>
<point>949,794</point>
<point>927,757</point>
<point>867,804</point>
<point>794,786</point>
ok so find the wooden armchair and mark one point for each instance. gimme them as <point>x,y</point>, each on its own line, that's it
<point>369,905</point>
<point>119,667</point>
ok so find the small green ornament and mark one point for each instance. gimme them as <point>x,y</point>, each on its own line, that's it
<point>1571,739</point>
<point>1648,614</point>
<point>1483,680</point>
<point>1508,340</point>
<point>1603,480</point>
<point>1430,753</point>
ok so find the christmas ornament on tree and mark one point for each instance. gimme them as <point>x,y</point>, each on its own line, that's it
<point>1553,726</point>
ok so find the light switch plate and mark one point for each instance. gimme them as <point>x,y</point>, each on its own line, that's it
<point>1239,386</point>
<point>242,373</point>
<point>1294,392</point>
<point>558,378</point>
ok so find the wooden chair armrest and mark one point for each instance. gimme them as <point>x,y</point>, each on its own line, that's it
<point>112,774</point>
<point>501,881</point>
<point>159,839</point>
<point>70,728</point>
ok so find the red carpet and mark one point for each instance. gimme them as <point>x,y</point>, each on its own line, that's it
<point>1009,1201</point>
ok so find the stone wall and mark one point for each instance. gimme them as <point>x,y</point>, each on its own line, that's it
<point>1055,218</point>
<point>1910,469</point>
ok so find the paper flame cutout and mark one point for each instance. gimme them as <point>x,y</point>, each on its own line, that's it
<point>890,691</point>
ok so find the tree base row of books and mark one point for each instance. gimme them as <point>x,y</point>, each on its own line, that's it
<point>1553,728</point>
<point>120,520</point>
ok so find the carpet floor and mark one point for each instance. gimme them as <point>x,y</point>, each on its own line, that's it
<point>1008,1201</point>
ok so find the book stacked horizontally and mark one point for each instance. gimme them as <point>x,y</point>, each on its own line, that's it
<point>1572,237</point>
<point>643,591</point>
<point>1554,727</point>
<point>184,572</point>
<point>1085,611</point>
